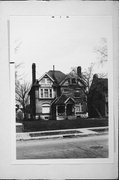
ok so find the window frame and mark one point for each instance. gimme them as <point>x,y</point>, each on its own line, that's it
<point>44,107</point>
<point>80,109</point>
<point>46,93</point>
<point>43,94</point>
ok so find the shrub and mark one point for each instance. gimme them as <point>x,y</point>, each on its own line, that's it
<point>43,125</point>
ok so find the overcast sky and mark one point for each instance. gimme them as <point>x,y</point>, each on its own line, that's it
<point>61,41</point>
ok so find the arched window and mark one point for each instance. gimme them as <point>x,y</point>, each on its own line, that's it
<point>45,108</point>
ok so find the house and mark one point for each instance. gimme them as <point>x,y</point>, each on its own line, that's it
<point>58,96</point>
<point>98,97</point>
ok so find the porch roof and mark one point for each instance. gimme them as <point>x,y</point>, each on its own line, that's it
<point>63,99</point>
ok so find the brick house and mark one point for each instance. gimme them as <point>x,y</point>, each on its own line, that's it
<point>98,97</point>
<point>58,96</point>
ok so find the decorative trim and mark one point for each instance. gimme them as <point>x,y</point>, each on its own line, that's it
<point>44,75</point>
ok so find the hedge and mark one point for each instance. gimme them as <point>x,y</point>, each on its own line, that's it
<point>43,125</point>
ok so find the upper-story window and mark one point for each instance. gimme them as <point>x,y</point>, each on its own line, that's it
<point>41,93</point>
<point>51,93</point>
<point>46,93</point>
<point>78,108</point>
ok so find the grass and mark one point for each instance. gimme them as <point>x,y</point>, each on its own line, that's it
<point>53,133</point>
<point>100,130</point>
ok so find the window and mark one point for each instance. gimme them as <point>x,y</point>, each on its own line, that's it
<point>50,92</point>
<point>78,108</point>
<point>45,93</point>
<point>48,81</point>
<point>45,108</point>
<point>45,80</point>
<point>77,93</point>
<point>73,81</point>
<point>41,92</point>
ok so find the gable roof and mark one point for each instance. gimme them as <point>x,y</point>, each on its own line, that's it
<point>81,80</point>
<point>57,76</point>
<point>63,99</point>
<point>46,74</point>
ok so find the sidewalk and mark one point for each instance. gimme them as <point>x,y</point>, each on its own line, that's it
<point>80,132</point>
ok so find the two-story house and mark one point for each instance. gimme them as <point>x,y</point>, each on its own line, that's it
<point>58,96</point>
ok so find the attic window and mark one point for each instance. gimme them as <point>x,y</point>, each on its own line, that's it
<point>73,81</point>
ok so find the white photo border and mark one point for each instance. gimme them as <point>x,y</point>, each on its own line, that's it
<point>12,168</point>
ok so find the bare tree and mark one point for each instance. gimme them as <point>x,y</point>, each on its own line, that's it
<point>102,75</point>
<point>102,52</point>
<point>88,76</point>
<point>21,89</point>
<point>22,97</point>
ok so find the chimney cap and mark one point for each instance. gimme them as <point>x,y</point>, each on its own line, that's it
<point>79,70</point>
<point>33,64</point>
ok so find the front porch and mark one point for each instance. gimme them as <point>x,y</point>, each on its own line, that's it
<point>65,109</point>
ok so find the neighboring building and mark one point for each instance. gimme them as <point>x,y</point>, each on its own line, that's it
<point>58,96</point>
<point>98,97</point>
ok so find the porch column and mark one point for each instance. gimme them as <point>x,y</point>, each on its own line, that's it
<point>65,110</point>
<point>56,111</point>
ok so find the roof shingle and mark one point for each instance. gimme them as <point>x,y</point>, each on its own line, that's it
<point>58,76</point>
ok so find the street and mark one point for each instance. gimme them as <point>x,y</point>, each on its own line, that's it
<point>78,147</point>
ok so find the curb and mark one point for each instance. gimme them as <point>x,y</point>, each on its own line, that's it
<point>83,132</point>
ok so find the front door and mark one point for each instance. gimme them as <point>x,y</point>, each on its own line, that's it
<point>70,110</point>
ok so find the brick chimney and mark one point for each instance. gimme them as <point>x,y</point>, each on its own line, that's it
<point>33,73</point>
<point>53,72</point>
<point>33,98</point>
<point>79,71</point>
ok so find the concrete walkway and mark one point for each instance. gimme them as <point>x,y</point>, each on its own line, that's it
<point>61,133</point>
